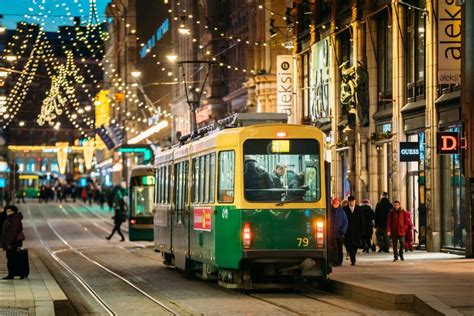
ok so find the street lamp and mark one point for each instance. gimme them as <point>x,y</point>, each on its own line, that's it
<point>194,103</point>
<point>136,74</point>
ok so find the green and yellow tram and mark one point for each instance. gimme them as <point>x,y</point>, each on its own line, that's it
<point>224,211</point>
<point>140,217</point>
<point>30,184</point>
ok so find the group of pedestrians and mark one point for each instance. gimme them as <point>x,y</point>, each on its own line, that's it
<point>353,226</point>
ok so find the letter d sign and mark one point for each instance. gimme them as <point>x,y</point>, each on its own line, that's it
<point>448,143</point>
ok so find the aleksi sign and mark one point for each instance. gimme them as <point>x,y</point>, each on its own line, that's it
<point>285,84</point>
<point>448,143</point>
<point>449,48</point>
<point>409,151</point>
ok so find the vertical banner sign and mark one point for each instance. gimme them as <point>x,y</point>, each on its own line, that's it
<point>449,37</point>
<point>61,150</point>
<point>88,147</point>
<point>285,85</point>
<point>202,219</point>
<point>319,80</point>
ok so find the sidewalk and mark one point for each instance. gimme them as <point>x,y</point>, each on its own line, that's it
<point>37,295</point>
<point>428,283</point>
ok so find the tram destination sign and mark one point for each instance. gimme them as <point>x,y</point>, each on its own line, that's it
<point>409,151</point>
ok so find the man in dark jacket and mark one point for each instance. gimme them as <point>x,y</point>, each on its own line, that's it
<point>397,226</point>
<point>353,237</point>
<point>119,217</point>
<point>338,229</point>
<point>382,209</point>
<point>12,237</point>
<point>276,176</point>
<point>257,181</point>
<point>369,216</point>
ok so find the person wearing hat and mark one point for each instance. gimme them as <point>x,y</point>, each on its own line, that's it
<point>12,237</point>
<point>369,216</point>
<point>338,229</point>
<point>353,236</point>
<point>382,209</point>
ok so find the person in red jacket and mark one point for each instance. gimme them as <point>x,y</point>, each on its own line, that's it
<point>397,226</point>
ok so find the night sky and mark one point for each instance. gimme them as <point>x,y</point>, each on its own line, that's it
<point>58,12</point>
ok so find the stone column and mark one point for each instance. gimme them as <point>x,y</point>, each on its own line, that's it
<point>432,171</point>
<point>373,189</point>
<point>399,170</point>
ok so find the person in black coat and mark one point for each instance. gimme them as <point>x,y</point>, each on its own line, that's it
<point>382,209</point>
<point>257,181</point>
<point>353,236</point>
<point>119,217</point>
<point>369,216</point>
<point>12,237</point>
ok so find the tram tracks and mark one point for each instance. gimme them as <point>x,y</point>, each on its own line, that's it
<point>108,307</point>
<point>279,302</point>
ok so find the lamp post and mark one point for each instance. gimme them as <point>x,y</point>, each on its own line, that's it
<point>194,102</point>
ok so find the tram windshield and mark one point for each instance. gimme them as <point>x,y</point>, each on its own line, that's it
<point>282,170</point>
<point>142,198</point>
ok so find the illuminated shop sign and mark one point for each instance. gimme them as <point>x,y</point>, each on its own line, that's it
<point>409,151</point>
<point>448,143</point>
<point>449,42</point>
<point>160,32</point>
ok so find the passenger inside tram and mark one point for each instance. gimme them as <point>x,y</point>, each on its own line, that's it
<point>283,173</point>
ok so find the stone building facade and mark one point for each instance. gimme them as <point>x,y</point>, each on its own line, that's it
<point>388,50</point>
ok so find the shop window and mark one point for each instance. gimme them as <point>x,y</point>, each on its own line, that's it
<point>415,52</point>
<point>453,218</point>
<point>384,61</point>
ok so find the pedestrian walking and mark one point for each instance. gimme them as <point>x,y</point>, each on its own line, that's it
<point>338,229</point>
<point>119,217</point>
<point>12,238</point>
<point>353,236</point>
<point>3,218</point>
<point>369,216</point>
<point>397,225</point>
<point>84,194</point>
<point>382,209</point>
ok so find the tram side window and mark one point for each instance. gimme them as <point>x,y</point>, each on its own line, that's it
<point>204,178</point>
<point>181,171</point>
<point>226,177</point>
<point>162,185</point>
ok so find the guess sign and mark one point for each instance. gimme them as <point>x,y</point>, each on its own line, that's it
<point>448,143</point>
<point>202,219</point>
<point>409,151</point>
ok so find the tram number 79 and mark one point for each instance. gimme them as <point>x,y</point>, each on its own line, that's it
<point>303,241</point>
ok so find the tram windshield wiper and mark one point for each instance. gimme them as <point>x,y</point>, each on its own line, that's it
<point>290,200</point>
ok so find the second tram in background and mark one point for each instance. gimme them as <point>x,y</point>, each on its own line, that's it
<point>142,195</point>
<point>244,202</point>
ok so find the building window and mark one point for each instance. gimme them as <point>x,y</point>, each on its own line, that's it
<point>415,52</point>
<point>305,84</point>
<point>345,44</point>
<point>384,61</point>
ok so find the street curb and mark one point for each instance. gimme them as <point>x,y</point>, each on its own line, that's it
<point>59,301</point>
<point>423,303</point>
